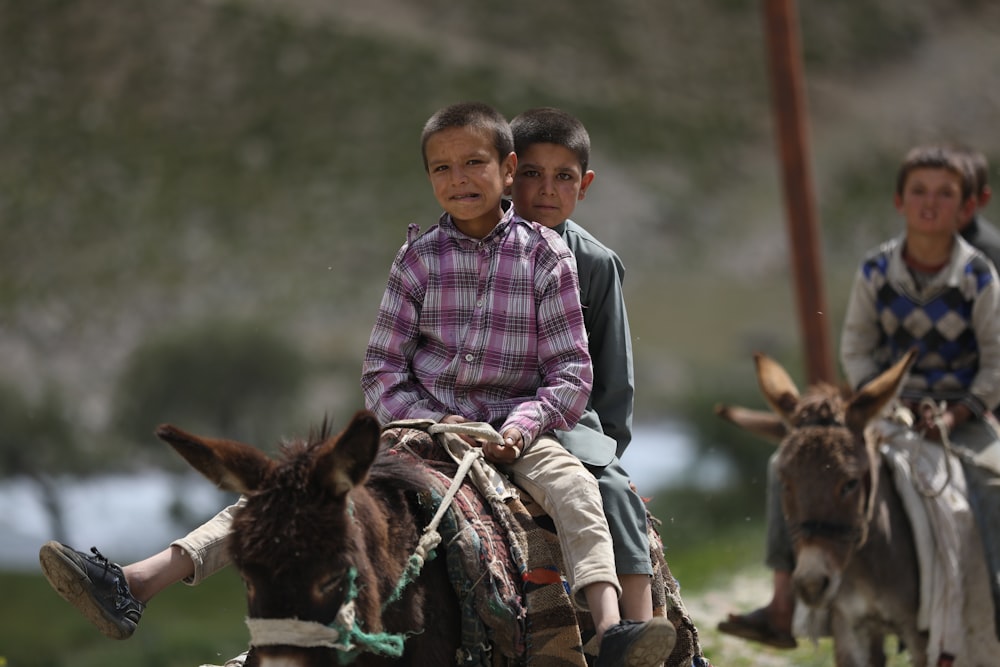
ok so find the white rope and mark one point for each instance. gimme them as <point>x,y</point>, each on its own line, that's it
<point>431,538</point>
<point>937,416</point>
<point>478,430</point>
<point>295,632</point>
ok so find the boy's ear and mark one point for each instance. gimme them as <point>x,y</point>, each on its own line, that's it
<point>507,168</point>
<point>897,201</point>
<point>585,182</point>
<point>984,197</point>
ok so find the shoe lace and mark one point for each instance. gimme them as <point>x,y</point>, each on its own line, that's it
<point>101,558</point>
<point>122,594</point>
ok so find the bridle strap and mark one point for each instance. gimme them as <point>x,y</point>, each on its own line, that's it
<point>295,632</point>
<point>825,529</point>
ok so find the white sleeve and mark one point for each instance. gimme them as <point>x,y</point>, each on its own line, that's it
<point>860,335</point>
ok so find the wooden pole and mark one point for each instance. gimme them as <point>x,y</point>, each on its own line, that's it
<point>788,99</point>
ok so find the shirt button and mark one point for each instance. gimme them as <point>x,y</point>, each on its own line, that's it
<point>479,304</point>
<point>469,357</point>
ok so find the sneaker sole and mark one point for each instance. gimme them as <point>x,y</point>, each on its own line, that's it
<point>69,582</point>
<point>654,645</point>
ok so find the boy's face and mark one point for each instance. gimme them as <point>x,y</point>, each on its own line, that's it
<point>548,183</point>
<point>931,202</point>
<point>468,178</point>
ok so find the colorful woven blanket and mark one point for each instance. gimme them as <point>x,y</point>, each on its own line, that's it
<point>506,566</point>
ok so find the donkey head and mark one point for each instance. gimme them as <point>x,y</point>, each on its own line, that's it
<point>828,470</point>
<point>294,541</point>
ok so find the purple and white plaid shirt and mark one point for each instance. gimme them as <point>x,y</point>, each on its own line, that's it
<point>489,329</point>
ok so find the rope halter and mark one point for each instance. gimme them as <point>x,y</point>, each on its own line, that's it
<point>344,633</point>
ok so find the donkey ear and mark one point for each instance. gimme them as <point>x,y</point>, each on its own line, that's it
<point>765,424</point>
<point>231,465</point>
<point>345,459</point>
<point>874,396</point>
<point>776,385</point>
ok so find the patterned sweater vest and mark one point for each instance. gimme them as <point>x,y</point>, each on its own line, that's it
<point>935,318</point>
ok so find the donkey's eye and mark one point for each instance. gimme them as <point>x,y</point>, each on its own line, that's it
<point>850,487</point>
<point>249,588</point>
<point>327,586</point>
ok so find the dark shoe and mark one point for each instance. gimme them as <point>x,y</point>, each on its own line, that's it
<point>756,627</point>
<point>637,644</point>
<point>94,585</point>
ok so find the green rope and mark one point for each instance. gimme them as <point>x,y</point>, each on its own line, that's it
<point>430,537</point>
<point>382,643</point>
<point>391,644</point>
<point>410,574</point>
<point>357,640</point>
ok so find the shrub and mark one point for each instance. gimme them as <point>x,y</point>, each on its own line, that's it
<point>226,379</point>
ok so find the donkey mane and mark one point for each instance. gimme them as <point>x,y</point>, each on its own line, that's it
<point>822,405</point>
<point>305,511</point>
<point>385,469</point>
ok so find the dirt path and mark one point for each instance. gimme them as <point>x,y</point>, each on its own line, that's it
<point>743,591</point>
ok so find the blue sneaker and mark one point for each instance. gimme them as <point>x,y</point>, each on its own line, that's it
<point>637,644</point>
<point>94,585</point>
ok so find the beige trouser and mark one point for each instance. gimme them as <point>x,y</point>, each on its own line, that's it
<point>569,494</point>
<point>206,544</point>
<point>553,477</point>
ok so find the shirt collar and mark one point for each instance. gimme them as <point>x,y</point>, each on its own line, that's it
<point>447,225</point>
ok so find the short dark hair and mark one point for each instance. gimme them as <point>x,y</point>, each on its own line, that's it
<point>470,114</point>
<point>980,171</point>
<point>936,157</point>
<point>548,125</point>
<point>978,165</point>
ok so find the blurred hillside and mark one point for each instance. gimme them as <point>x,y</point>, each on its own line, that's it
<point>169,164</point>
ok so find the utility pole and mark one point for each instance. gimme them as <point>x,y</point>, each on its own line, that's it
<point>784,51</point>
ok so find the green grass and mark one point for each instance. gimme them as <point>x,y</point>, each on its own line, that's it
<point>184,627</point>
<point>188,626</point>
<point>710,563</point>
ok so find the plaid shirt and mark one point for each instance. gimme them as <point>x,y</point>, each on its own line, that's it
<point>488,329</point>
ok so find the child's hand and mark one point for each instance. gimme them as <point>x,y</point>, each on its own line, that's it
<point>932,425</point>
<point>506,452</point>
<point>459,419</point>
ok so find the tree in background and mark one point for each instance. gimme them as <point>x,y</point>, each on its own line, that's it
<point>232,380</point>
<point>38,441</point>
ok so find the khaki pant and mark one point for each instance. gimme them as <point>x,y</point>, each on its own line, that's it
<point>206,544</point>
<point>569,494</point>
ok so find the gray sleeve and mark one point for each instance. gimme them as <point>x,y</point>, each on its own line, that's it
<point>860,334</point>
<point>986,322</point>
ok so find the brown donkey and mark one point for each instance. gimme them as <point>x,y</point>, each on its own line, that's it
<point>322,544</point>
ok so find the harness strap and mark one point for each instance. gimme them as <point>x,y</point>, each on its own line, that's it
<point>295,632</point>
<point>828,530</point>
